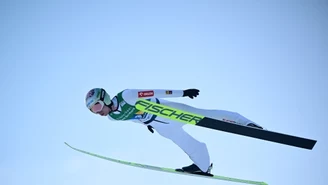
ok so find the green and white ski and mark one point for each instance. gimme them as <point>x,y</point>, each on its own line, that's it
<point>169,170</point>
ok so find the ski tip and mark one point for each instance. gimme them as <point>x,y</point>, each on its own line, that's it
<point>67,144</point>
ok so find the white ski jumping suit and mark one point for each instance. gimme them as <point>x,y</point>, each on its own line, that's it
<point>170,129</point>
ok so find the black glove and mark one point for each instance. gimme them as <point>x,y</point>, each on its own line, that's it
<point>191,93</point>
<point>150,128</point>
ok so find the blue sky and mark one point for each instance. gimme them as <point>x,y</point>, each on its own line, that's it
<point>265,60</point>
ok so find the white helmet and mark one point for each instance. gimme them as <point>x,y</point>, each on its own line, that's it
<point>97,95</point>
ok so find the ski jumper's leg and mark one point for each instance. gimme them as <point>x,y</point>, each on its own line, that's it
<point>223,115</point>
<point>196,150</point>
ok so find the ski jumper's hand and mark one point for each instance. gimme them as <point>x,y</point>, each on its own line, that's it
<point>191,93</point>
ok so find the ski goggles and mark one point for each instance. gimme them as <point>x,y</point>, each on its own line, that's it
<point>97,107</point>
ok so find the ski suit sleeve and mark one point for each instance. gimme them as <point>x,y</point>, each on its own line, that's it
<point>132,95</point>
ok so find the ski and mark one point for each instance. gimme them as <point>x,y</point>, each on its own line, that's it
<point>221,125</point>
<point>169,170</point>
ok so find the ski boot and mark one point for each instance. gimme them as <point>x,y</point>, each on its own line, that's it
<point>194,169</point>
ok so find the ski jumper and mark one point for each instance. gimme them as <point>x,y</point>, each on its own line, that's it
<point>172,130</point>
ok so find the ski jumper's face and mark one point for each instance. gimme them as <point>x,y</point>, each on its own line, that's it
<point>105,111</point>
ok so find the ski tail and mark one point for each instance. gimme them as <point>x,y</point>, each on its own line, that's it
<point>266,135</point>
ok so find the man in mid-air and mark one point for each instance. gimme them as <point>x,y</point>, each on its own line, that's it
<point>122,108</point>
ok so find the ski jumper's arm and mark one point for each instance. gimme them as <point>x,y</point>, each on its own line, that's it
<point>132,95</point>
